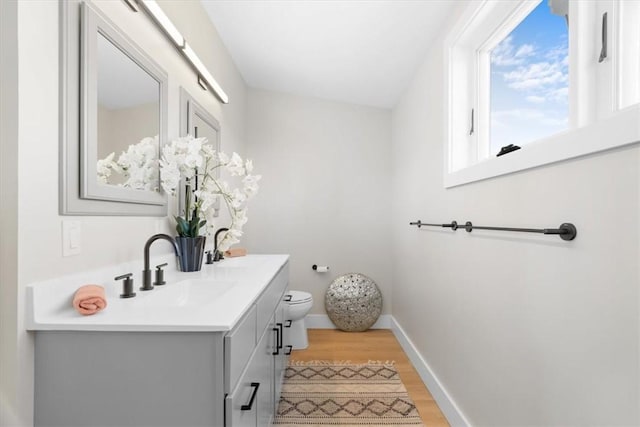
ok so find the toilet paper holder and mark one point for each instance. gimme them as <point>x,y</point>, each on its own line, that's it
<point>320,268</point>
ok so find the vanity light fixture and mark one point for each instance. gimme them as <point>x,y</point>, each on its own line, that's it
<point>204,73</point>
<point>205,79</point>
<point>132,5</point>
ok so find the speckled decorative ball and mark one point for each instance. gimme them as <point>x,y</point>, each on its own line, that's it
<point>353,302</point>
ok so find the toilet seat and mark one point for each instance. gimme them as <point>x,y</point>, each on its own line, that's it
<point>299,297</point>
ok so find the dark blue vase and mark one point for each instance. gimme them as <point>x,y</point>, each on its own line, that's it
<point>191,252</point>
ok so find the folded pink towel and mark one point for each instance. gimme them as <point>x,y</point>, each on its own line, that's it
<point>89,299</point>
<point>234,252</point>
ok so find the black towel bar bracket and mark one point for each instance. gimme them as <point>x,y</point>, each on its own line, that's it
<point>566,231</point>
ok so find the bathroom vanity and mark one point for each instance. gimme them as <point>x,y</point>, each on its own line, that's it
<point>206,349</point>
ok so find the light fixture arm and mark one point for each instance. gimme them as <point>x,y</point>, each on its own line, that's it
<point>205,79</point>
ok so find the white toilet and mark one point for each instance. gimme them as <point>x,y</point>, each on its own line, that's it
<point>299,306</point>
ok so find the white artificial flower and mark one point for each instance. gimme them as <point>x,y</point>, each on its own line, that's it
<point>170,177</point>
<point>207,200</point>
<point>224,188</point>
<point>250,185</point>
<point>138,165</point>
<point>237,198</point>
<point>104,168</point>
<point>231,237</point>
<point>240,219</point>
<point>194,146</point>
<point>223,158</point>
<point>193,160</point>
<point>235,165</point>
<point>208,150</point>
<point>248,165</point>
<point>187,158</point>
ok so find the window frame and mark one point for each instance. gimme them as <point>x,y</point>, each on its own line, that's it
<point>598,121</point>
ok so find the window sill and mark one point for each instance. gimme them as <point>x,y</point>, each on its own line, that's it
<point>621,129</point>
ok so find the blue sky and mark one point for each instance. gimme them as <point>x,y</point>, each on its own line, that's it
<point>529,80</point>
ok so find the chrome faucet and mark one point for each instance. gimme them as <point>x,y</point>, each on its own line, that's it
<point>217,255</point>
<point>146,273</point>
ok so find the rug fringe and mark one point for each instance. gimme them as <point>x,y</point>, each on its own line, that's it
<point>340,362</point>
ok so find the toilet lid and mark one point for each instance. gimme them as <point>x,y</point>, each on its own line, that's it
<point>298,297</point>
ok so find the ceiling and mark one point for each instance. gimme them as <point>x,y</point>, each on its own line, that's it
<point>363,52</point>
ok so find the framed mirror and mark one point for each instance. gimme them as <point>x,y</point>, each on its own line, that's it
<point>196,121</point>
<point>114,119</point>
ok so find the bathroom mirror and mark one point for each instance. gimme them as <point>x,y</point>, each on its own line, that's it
<point>113,118</point>
<point>195,120</point>
<point>128,121</point>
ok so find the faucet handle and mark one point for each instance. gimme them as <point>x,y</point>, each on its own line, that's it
<point>127,285</point>
<point>160,275</point>
<point>209,257</point>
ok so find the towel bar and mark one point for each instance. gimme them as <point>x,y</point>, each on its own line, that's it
<point>566,231</point>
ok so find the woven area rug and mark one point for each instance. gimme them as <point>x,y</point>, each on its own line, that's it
<point>329,394</point>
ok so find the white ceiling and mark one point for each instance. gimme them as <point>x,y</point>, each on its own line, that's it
<point>362,52</point>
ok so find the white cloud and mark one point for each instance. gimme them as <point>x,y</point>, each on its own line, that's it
<point>540,72</point>
<point>535,99</point>
<point>505,53</point>
<point>560,94</point>
<point>536,76</point>
<point>525,51</point>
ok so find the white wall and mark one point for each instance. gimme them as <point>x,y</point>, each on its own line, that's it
<point>520,329</point>
<point>8,209</point>
<point>105,240</point>
<point>324,196</point>
<point>120,128</point>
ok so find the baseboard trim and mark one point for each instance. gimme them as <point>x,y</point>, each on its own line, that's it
<point>386,321</point>
<point>447,405</point>
<point>322,321</point>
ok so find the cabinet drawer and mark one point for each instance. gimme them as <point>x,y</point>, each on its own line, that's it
<point>241,407</point>
<point>238,346</point>
<point>271,297</point>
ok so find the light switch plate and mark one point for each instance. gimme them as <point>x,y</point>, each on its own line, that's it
<point>71,238</point>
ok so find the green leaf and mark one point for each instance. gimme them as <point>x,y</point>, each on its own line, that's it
<point>182,227</point>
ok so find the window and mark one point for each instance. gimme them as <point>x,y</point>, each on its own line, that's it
<point>529,81</point>
<point>558,78</point>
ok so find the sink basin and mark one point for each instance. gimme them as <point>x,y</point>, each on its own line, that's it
<point>184,294</point>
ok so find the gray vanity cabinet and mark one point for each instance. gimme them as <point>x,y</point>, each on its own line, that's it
<point>163,378</point>
<point>254,398</point>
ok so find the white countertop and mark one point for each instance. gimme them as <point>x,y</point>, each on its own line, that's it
<point>212,299</point>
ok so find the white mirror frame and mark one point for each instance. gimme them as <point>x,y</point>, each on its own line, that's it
<point>189,109</point>
<point>80,193</point>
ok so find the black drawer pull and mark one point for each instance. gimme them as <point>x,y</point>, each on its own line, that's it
<point>280,335</point>
<point>248,406</point>
<point>288,324</point>
<point>288,297</point>
<point>289,349</point>
<point>277,330</point>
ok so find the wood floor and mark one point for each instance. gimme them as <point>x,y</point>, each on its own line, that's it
<point>374,344</point>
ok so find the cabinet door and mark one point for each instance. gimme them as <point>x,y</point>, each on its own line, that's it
<point>251,403</point>
<point>267,347</point>
<point>239,344</point>
<point>282,358</point>
<point>241,407</point>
